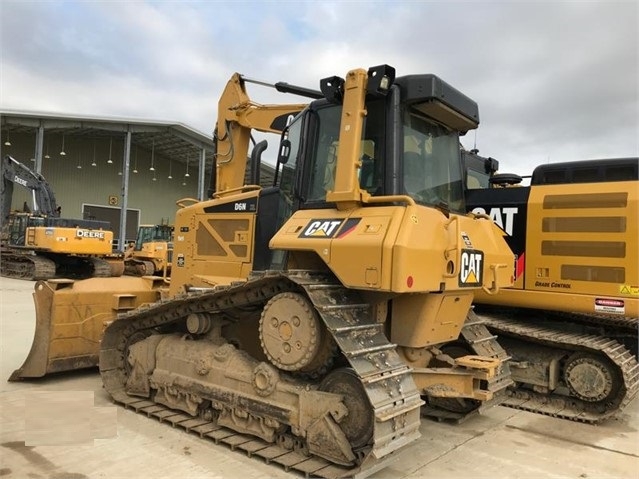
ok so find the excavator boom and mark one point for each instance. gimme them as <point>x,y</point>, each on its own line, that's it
<point>14,172</point>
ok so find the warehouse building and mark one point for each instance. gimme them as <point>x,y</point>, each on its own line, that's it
<point>125,171</point>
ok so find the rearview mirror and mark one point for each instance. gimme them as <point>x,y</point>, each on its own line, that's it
<point>285,151</point>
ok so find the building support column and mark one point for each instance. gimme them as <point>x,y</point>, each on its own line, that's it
<point>38,148</point>
<point>126,160</point>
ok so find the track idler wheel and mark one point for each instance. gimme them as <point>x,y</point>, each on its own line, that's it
<point>293,336</point>
<point>590,378</point>
<point>359,423</point>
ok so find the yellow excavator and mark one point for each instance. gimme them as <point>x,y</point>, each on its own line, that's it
<point>570,320</point>
<point>151,252</point>
<point>38,244</point>
<point>304,323</point>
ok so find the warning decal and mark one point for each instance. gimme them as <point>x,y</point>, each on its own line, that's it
<point>607,305</point>
<point>628,289</point>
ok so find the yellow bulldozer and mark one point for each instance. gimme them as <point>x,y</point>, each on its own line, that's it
<point>308,322</point>
<point>151,252</point>
<point>570,320</point>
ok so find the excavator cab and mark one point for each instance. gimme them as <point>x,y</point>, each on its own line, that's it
<point>16,228</point>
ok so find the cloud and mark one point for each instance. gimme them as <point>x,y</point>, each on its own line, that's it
<point>553,80</point>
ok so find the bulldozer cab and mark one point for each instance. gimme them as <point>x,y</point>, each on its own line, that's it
<point>153,233</point>
<point>431,167</point>
<point>424,166</point>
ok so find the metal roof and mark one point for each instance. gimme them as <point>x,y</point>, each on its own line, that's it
<point>171,139</point>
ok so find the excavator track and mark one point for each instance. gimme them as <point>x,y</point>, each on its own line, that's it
<point>622,371</point>
<point>36,267</point>
<point>26,266</point>
<point>387,382</point>
<point>101,267</point>
<point>136,267</point>
<point>627,324</point>
<point>117,266</point>
<point>624,329</point>
<point>621,328</point>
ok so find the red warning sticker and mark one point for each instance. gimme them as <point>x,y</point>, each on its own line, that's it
<point>607,305</point>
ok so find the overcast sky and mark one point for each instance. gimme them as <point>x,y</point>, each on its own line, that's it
<point>555,81</point>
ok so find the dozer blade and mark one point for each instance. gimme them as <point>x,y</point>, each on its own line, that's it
<point>71,317</point>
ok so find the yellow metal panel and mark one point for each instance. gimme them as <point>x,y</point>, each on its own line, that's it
<point>420,320</point>
<point>311,230</point>
<point>418,262</point>
<point>212,247</point>
<point>361,250</point>
<point>558,300</point>
<point>398,248</point>
<point>583,238</point>
<point>70,240</point>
